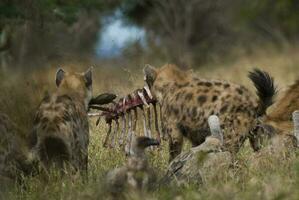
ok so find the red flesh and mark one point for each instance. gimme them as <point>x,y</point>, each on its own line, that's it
<point>132,101</point>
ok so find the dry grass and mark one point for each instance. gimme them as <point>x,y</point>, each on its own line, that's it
<point>276,177</point>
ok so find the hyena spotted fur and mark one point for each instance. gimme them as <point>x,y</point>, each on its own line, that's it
<point>187,102</point>
<point>61,132</point>
<point>14,160</point>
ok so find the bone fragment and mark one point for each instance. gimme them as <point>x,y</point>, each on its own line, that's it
<point>114,135</point>
<point>148,91</point>
<point>156,123</point>
<point>149,125</point>
<point>107,135</point>
<point>133,129</point>
<point>140,94</point>
<point>98,121</point>
<point>296,125</point>
<point>129,136</point>
<point>123,130</point>
<point>94,114</point>
<point>144,122</point>
<point>99,108</point>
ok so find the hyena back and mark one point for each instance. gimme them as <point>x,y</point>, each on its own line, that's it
<point>61,132</point>
<point>187,102</point>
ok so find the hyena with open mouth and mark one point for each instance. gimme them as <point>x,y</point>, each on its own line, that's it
<point>61,132</point>
<point>14,154</point>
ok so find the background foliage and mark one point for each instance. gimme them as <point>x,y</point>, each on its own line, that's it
<point>188,33</point>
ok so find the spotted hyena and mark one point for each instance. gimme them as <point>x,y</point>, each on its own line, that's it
<point>61,133</point>
<point>14,154</point>
<point>278,120</point>
<point>187,102</point>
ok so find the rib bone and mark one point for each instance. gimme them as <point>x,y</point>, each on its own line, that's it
<point>99,108</point>
<point>144,122</point>
<point>135,120</point>
<point>156,123</point>
<point>98,120</point>
<point>164,135</point>
<point>133,129</point>
<point>94,114</point>
<point>140,98</point>
<point>296,124</point>
<point>124,121</point>
<point>111,145</point>
<point>129,136</point>
<point>123,130</point>
<point>107,135</point>
<point>114,136</point>
<point>148,91</point>
<point>140,94</point>
<point>149,123</point>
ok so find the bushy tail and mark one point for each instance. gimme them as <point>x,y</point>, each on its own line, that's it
<point>265,87</point>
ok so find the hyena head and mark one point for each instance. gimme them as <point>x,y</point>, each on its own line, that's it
<point>158,79</point>
<point>267,132</point>
<point>280,116</point>
<point>267,128</point>
<point>278,121</point>
<point>79,84</point>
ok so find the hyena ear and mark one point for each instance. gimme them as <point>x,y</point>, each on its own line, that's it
<point>150,74</point>
<point>88,77</point>
<point>59,76</point>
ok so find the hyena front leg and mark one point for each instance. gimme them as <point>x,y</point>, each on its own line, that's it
<point>175,142</point>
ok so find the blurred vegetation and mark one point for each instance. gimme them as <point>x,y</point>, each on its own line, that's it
<point>50,10</point>
<point>35,32</point>
<point>274,18</point>
<point>196,31</point>
<point>187,33</point>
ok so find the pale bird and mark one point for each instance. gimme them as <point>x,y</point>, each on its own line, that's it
<point>201,162</point>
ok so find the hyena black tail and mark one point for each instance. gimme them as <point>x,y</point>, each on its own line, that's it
<point>265,87</point>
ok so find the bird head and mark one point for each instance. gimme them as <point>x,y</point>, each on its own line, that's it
<point>141,143</point>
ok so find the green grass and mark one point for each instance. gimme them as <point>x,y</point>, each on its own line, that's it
<point>276,181</point>
<point>270,176</point>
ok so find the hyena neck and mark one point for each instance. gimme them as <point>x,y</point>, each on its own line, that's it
<point>163,90</point>
<point>137,163</point>
<point>160,90</point>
